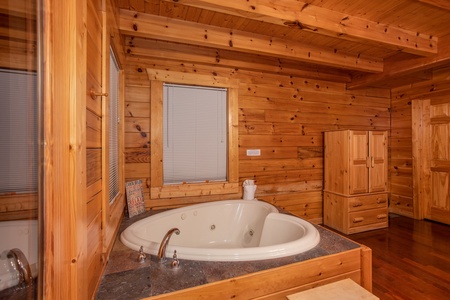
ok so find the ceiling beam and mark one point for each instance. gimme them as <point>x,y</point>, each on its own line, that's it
<point>172,30</point>
<point>395,67</point>
<point>152,49</point>
<point>299,14</point>
<point>445,4</point>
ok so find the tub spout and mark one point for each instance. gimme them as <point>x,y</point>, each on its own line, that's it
<point>26,278</point>
<point>164,243</point>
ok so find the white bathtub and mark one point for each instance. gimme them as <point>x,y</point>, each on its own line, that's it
<point>231,230</point>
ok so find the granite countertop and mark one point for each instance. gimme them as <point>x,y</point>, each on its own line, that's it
<point>21,292</point>
<point>126,278</point>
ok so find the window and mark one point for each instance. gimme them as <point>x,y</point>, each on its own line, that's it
<point>194,187</point>
<point>113,133</point>
<point>18,132</point>
<point>194,134</point>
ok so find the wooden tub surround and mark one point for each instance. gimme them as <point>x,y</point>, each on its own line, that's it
<point>334,259</point>
<point>343,289</point>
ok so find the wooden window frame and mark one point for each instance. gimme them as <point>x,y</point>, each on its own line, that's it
<point>18,206</point>
<point>112,211</point>
<point>157,188</point>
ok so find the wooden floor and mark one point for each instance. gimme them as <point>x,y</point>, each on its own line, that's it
<point>411,259</point>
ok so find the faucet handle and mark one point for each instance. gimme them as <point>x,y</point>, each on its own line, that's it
<point>175,261</point>
<point>141,256</point>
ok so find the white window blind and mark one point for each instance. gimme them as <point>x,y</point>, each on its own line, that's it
<point>18,132</point>
<point>113,127</point>
<point>195,134</point>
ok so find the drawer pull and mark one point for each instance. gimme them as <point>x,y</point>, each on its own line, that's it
<point>356,204</point>
<point>382,216</point>
<point>381,200</point>
<point>358,219</point>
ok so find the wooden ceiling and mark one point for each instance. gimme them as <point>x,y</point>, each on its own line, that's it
<point>376,43</point>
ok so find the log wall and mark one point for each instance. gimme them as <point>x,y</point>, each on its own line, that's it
<point>401,167</point>
<point>284,116</point>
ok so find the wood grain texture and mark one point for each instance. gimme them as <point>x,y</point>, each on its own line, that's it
<point>410,39</point>
<point>323,21</point>
<point>18,206</point>
<point>65,178</point>
<point>154,27</point>
<point>405,133</point>
<point>421,272</point>
<point>283,116</point>
<point>279,282</point>
<point>112,208</point>
<point>343,289</point>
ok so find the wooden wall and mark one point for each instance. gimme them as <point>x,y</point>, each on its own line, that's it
<point>401,167</point>
<point>284,116</point>
<point>103,217</point>
<point>18,43</point>
<point>95,192</point>
<point>80,223</point>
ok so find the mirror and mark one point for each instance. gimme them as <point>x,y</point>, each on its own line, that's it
<point>19,148</point>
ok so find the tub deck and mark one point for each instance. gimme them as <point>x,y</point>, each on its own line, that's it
<point>335,258</point>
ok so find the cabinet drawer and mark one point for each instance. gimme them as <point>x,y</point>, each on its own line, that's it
<point>367,202</point>
<point>367,217</point>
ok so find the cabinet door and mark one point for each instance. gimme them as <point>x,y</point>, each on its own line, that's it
<point>359,172</point>
<point>378,161</point>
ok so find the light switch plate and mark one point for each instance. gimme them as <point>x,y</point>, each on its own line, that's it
<point>253,152</point>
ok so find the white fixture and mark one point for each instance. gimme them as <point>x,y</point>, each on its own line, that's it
<point>253,152</point>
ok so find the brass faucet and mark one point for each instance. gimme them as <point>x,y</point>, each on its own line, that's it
<point>164,243</point>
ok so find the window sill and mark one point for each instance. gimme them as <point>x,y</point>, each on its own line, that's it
<point>194,189</point>
<point>18,206</point>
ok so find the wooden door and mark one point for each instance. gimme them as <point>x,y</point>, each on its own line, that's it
<point>378,161</point>
<point>439,203</point>
<point>358,170</point>
<point>431,152</point>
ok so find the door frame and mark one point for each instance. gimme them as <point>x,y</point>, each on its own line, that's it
<point>421,154</point>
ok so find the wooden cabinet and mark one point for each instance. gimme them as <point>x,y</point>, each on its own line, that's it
<point>355,187</point>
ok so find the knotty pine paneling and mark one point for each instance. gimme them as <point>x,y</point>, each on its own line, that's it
<point>137,129</point>
<point>93,166</point>
<point>137,140</point>
<point>402,205</point>
<point>93,130</point>
<point>401,167</point>
<point>137,93</point>
<point>18,37</point>
<point>283,116</point>
<point>94,248</point>
<point>139,124</point>
<point>93,207</point>
<point>307,205</point>
<point>94,145</point>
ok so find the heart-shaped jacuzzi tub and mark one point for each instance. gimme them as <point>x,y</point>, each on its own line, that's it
<point>230,230</point>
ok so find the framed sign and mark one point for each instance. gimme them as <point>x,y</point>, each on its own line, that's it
<point>135,198</point>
